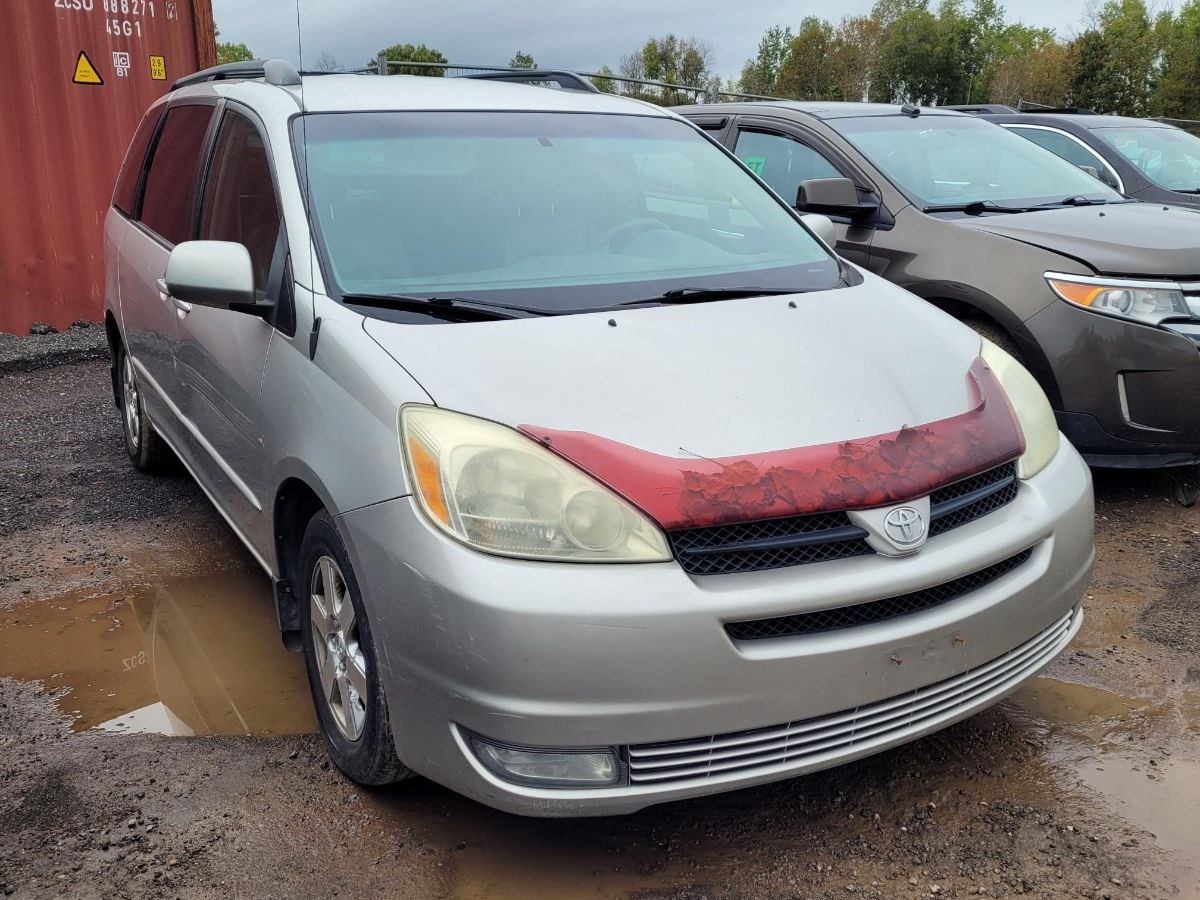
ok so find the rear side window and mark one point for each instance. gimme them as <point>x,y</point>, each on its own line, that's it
<point>239,202</point>
<point>169,201</point>
<point>125,194</point>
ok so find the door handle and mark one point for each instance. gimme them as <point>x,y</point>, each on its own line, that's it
<point>182,306</point>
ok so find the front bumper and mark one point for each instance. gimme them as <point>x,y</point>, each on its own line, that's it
<point>1125,393</point>
<point>560,655</point>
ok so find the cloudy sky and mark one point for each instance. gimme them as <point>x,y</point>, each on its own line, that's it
<point>556,32</point>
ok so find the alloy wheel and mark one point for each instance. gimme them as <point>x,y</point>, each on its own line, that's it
<point>131,405</point>
<point>335,637</point>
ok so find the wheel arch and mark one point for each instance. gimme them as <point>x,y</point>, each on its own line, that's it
<point>296,502</point>
<point>112,333</point>
<point>968,303</point>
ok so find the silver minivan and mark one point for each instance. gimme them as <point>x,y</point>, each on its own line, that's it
<point>587,475</point>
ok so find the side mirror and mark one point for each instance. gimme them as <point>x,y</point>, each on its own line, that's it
<point>822,227</point>
<point>830,197</point>
<point>210,273</point>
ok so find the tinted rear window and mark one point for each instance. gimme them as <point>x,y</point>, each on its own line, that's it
<point>170,197</point>
<point>125,194</point>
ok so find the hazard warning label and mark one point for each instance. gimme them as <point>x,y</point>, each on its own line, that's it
<point>85,70</point>
<point>158,68</point>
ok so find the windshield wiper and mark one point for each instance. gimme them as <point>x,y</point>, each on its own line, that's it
<point>459,307</point>
<point>703,294</point>
<point>976,207</point>
<point>1077,200</point>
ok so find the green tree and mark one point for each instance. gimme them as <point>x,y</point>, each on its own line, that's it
<point>684,61</point>
<point>228,52</point>
<point>805,73</point>
<point>412,53</point>
<point>522,60</point>
<point>603,80</point>
<point>760,74</point>
<point>1088,80</point>
<point>1131,65</point>
<point>910,67</point>
<point>853,57</point>
<point>1177,93</point>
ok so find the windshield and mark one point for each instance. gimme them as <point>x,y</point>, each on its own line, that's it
<point>1168,157</point>
<point>951,160</point>
<point>551,211</point>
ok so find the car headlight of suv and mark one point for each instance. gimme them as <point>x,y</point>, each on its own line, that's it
<point>1149,302</point>
<point>499,491</point>
<point>1031,406</point>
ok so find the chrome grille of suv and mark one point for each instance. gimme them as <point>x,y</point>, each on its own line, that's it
<point>797,540</point>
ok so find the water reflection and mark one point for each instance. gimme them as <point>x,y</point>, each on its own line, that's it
<point>185,657</point>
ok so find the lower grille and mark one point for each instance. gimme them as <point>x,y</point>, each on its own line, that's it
<point>875,610</point>
<point>797,540</point>
<point>824,740</point>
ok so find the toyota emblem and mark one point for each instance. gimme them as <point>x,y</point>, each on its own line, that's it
<point>904,526</point>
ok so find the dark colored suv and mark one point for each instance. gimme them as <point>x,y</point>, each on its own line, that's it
<point>1099,295</point>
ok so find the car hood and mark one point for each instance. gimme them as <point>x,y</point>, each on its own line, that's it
<point>1121,239</point>
<point>704,380</point>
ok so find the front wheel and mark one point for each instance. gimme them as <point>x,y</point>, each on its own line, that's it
<point>339,654</point>
<point>146,449</point>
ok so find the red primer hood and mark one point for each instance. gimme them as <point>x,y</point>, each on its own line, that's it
<point>683,492</point>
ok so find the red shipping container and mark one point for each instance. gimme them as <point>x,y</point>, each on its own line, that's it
<point>76,77</point>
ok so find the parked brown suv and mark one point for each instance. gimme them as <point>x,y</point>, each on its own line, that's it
<point>1100,295</point>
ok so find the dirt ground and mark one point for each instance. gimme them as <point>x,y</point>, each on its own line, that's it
<point>127,607</point>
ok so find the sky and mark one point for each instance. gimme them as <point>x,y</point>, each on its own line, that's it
<point>558,33</point>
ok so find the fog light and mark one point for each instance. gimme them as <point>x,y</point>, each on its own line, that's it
<point>548,768</point>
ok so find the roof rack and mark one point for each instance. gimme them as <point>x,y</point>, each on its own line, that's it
<point>1059,111</point>
<point>982,109</point>
<point>571,81</point>
<point>275,71</point>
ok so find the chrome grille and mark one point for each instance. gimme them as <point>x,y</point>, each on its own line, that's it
<point>797,540</point>
<point>822,741</point>
<point>875,610</point>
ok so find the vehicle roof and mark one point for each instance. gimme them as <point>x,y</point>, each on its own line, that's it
<point>1084,121</point>
<point>353,93</point>
<point>816,108</point>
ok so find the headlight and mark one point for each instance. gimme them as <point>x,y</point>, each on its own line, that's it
<point>1031,406</point>
<point>1143,301</point>
<point>496,490</point>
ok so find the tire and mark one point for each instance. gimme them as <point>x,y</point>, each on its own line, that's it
<point>994,332</point>
<point>147,451</point>
<point>340,656</point>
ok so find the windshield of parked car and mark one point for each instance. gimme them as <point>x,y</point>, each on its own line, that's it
<point>956,160</point>
<point>1169,157</point>
<point>556,212</point>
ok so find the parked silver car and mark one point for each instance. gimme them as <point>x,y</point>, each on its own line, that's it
<point>588,477</point>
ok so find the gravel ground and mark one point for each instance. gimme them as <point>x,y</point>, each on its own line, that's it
<point>83,340</point>
<point>1078,786</point>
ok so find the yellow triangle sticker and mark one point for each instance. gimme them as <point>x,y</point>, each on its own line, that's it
<point>85,71</point>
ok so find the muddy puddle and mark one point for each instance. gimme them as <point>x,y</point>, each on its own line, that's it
<point>1132,758</point>
<point>185,656</point>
